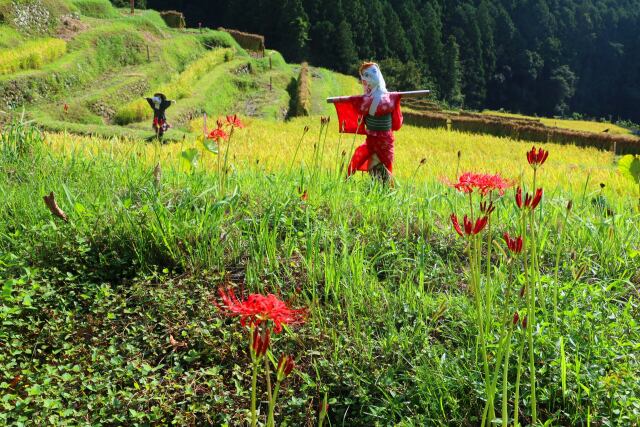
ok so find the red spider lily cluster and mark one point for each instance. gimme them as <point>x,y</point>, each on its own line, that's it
<point>514,244</point>
<point>537,157</point>
<point>470,229</point>
<point>231,122</point>
<point>473,224</point>
<point>258,311</point>
<point>530,201</point>
<point>483,183</point>
<point>258,308</point>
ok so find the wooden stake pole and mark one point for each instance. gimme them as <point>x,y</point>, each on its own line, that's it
<point>408,94</point>
<point>133,6</point>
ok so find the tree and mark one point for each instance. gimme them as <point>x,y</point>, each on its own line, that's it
<point>359,21</point>
<point>321,43</point>
<point>467,33</point>
<point>402,75</point>
<point>345,50</point>
<point>396,36</point>
<point>433,48</point>
<point>378,30</point>
<point>293,30</point>
<point>451,87</point>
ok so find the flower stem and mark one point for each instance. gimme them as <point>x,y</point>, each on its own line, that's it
<point>475,276</point>
<point>516,402</point>
<point>272,405</point>
<point>226,157</point>
<point>505,382</point>
<point>254,385</point>
<point>531,313</point>
<point>556,283</point>
<point>295,154</point>
<point>267,373</point>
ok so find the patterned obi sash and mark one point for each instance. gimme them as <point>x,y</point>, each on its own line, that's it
<point>378,123</point>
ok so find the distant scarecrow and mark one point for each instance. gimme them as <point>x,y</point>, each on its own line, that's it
<point>375,114</point>
<point>159,103</point>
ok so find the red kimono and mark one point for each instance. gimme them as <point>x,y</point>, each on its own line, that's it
<point>378,128</point>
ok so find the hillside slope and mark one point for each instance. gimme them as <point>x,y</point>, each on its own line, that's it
<point>88,69</point>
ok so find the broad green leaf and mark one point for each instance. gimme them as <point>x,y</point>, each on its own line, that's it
<point>629,166</point>
<point>190,158</point>
<point>210,145</point>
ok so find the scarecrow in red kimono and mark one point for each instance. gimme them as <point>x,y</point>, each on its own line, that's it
<point>375,114</point>
<point>159,103</point>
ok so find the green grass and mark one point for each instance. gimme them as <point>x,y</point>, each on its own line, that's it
<point>31,55</point>
<point>391,336</point>
<point>95,8</point>
<point>10,38</point>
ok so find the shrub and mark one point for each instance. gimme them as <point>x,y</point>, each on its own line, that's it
<point>214,39</point>
<point>31,55</point>
<point>96,8</point>
<point>139,4</point>
<point>173,19</point>
<point>254,42</point>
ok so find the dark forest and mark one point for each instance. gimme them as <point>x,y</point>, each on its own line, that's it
<point>546,57</point>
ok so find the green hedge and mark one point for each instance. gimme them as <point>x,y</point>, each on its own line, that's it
<point>95,8</point>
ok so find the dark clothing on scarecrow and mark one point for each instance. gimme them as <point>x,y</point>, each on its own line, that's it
<point>159,103</point>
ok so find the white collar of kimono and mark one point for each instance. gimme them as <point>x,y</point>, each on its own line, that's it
<point>375,86</point>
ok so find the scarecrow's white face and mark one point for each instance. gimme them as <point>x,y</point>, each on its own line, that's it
<point>369,78</point>
<point>157,101</point>
<point>372,79</point>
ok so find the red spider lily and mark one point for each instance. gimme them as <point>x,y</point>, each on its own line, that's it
<point>234,121</point>
<point>260,345</point>
<point>469,227</point>
<point>516,318</point>
<point>218,134</point>
<point>524,322</point>
<point>537,198</point>
<point>66,107</point>
<point>487,208</point>
<point>259,308</point>
<point>530,201</point>
<point>285,366</point>
<point>514,245</point>
<point>469,181</point>
<point>537,158</point>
